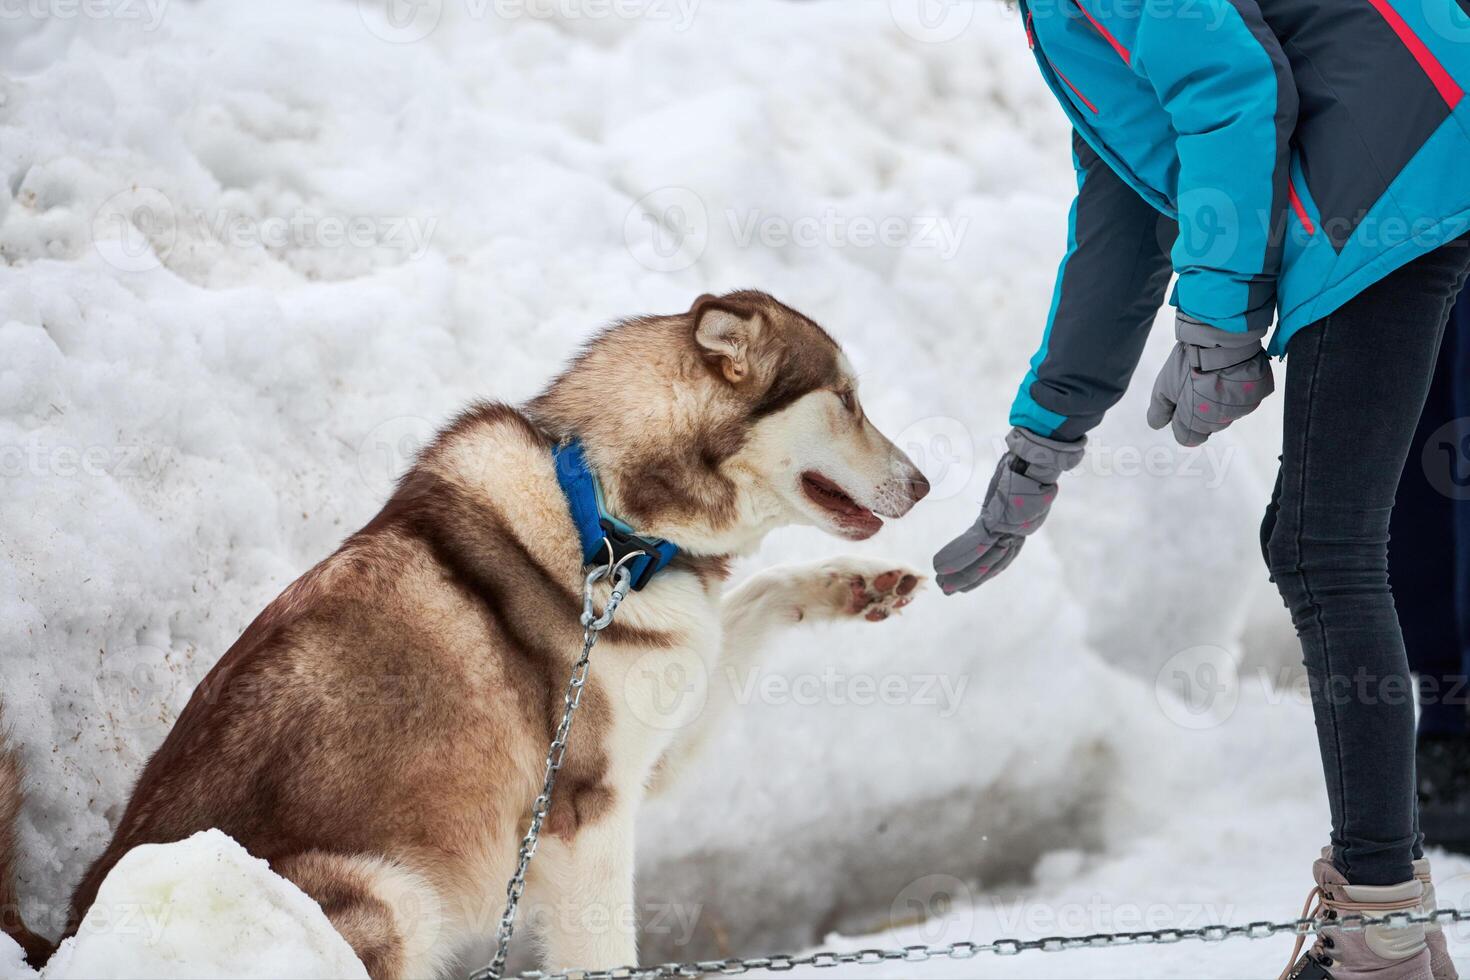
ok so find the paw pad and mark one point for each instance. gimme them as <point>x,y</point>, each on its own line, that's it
<point>876,597</point>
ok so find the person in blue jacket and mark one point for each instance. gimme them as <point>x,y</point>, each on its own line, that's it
<point>1295,161</point>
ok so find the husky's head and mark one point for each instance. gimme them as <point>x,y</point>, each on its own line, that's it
<point>809,450</point>
<point>715,426</point>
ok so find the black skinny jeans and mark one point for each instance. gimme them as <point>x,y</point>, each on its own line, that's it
<point>1356,382</point>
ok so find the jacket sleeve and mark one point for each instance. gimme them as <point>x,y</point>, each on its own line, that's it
<point>1221,76</point>
<point>1109,288</point>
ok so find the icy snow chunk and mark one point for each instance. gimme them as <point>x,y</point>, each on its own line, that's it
<point>201,907</point>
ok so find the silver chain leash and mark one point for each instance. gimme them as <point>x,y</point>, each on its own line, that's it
<point>592,625</point>
<point>826,959</point>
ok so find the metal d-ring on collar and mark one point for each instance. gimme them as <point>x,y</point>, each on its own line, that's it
<point>616,569</point>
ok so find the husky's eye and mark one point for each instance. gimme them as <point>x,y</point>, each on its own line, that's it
<point>849,401</point>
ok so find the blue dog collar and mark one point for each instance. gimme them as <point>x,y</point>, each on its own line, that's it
<point>604,536</point>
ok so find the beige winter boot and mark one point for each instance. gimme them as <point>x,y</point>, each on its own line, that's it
<point>1440,963</point>
<point>1373,953</point>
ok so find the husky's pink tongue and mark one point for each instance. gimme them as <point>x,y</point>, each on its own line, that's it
<point>853,519</point>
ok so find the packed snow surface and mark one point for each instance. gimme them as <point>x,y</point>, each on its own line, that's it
<point>256,252</point>
<point>202,907</point>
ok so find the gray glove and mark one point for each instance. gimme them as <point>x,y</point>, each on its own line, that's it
<point>1212,378</point>
<point>1016,503</point>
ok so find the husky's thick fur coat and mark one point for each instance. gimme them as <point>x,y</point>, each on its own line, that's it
<point>378,732</point>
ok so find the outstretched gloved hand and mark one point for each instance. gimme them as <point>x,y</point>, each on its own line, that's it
<point>1018,500</point>
<point>1212,378</point>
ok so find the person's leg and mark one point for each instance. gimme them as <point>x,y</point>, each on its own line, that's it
<point>1421,567</point>
<point>1457,355</point>
<point>1356,382</point>
<point>1427,555</point>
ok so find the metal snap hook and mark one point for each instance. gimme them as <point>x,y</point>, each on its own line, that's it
<point>622,579</point>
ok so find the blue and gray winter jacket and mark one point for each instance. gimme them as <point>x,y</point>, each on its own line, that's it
<point>1278,155</point>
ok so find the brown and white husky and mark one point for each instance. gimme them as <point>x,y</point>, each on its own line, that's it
<point>378,732</point>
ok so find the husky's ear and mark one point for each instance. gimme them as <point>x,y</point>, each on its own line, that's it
<point>725,331</point>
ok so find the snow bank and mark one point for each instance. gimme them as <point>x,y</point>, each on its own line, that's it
<point>13,961</point>
<point>202,907</point>
<point>254,253</point>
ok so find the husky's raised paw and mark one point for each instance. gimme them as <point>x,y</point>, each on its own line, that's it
<point>866,588</point>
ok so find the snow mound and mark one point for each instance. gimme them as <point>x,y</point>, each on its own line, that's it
<point>200,907</point>
<point>13,961</point>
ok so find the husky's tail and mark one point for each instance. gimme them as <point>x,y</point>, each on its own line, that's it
<point>37,950</point>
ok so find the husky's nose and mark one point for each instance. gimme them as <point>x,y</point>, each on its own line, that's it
<point>918,487</point>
